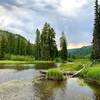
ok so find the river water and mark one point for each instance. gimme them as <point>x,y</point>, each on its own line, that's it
<point>22,83</point>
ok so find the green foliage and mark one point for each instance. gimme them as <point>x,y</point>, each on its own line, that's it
<point>92,72</point>
<point>96,34</point>
<point>80,53</point>
<point>63,46</point>
<point>37,45</point>
<point>71,66</point>
<point>45,42</point>
<point>14,44</point>
<point>55,74</point>
<point>21,58</point>
<point>58,59</point>
<point>2,47</point>
<point>76,65</point>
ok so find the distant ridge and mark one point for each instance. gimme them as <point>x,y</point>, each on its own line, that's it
<point>84,51</point>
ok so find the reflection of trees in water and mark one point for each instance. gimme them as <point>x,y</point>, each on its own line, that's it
<point>45,65</point>
<point>97,96</point>
<point>45,90</point>
<point>95,88</point>
<point>17,66</point>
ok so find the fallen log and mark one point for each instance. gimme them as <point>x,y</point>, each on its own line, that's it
<point>43,72</point>
<point>78,72</point>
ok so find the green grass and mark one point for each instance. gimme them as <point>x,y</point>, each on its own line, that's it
<point>70,67</point>
<point>76,65</point>
<point>92,73</point>
<point>22,62</point>
<point>55,74</point>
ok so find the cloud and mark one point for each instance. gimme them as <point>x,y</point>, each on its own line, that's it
<point>74,17</point>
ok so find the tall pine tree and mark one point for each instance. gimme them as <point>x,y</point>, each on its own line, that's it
<point>45,54</point>
<point>37,45</point>
<point>52,44</point>
<point>48,43</point>
<point>96,34</point>
<point>63,46</point>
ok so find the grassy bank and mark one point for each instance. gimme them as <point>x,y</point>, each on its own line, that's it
<point>76,65</point>
<point>92,73</point>
<point>22,62</point>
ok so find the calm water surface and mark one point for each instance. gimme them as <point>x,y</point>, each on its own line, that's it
<point>22,83</point>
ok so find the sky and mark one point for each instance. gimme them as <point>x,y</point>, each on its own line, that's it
<point>73,17</point>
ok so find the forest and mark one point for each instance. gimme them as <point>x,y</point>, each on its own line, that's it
<point>44,48</point>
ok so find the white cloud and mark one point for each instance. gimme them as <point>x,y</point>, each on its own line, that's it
<point>71,7</point>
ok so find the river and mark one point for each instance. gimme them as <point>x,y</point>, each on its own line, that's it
<point>21,82</point>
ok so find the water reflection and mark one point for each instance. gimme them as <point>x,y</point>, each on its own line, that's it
<point>45,65</point>
<point>45,89</point>
<point>29,66</point>
<point>16,66</point>
<point>67,90</point>
<point>96,89</point>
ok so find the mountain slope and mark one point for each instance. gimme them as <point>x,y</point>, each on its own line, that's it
<point>81,52</point>
<point>14,44</point>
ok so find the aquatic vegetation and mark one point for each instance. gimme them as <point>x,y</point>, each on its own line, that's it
<point>55,74</point>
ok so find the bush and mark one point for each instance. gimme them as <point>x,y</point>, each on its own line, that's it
<point>58,60</point>
<point>21,58</point>
<point>55,74</point>
<point>70,60</point>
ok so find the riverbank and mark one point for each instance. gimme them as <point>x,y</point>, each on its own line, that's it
<point>90,73</point>
<point>23,62</point>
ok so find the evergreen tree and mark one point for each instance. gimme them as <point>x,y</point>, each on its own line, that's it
<point>52,44</point>
<point>45,55</point>
<point>48,43</point>
<point>63,46</point>
<point>2,47</point>
<point>37,45</point>
<point>96,34</point>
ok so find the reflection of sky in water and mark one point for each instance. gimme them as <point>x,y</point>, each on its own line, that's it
<point>18,85</point>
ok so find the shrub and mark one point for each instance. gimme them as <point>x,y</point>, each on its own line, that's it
<point>55,74</point>
<point>21,58</point>
<point>58,60</point>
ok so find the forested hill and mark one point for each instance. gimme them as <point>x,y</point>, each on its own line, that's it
<point>14,44</point>
<point>81,52</point>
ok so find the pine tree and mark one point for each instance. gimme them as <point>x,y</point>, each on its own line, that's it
<point>45,54</point>
<point>37,45</point>
<point>2,47</point>
<point>52,44</point>
<point>48,43</point>
<point>96,34</point>
<point>63,46</point>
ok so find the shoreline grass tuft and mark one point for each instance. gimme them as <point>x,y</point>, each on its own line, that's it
<point>55,74</point>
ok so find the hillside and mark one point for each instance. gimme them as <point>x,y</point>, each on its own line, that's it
<point>14,44</point>
<point>81,52</point>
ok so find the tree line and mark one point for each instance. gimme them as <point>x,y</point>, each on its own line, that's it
<point>14,44</point>
<point>46,46</point>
